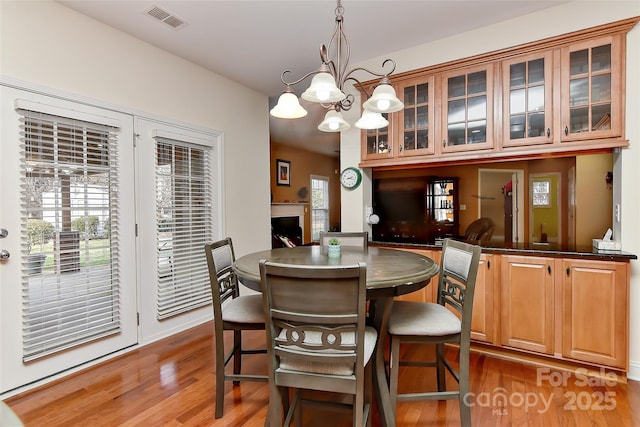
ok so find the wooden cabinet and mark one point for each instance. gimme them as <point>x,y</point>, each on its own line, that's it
<point>483,325</point>
<point>555,96</point>
<point>562,309</point>
<point>592,91</point>
<point>467,109</point>
<point>429,292</point>
<point>527,303</point>
<point>527,100</point>
<point>416,130</point>
<point>595,312</point>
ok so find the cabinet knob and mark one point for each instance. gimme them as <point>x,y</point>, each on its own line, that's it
<point>566,130</point>
<point>488,264</point>
<point>444,143</point>
<point>548,132</point>
<point>568,271</point>
<point>549,269</point>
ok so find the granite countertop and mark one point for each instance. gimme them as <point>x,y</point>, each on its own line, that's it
<point>537,249</point>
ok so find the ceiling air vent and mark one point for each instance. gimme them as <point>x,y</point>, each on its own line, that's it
<point>166,17</point>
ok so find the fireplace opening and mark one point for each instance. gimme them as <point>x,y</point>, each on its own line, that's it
<point>285,231</point>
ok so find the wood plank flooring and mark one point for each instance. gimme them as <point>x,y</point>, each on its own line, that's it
<point>172,382</point>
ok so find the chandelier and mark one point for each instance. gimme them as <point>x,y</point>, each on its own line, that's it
<point>327,88</point>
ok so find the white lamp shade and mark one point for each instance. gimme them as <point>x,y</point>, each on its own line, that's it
<point>333,122</point>
<point>288,107</point>
<point>371,120</point>
<point>383,100</point>
<point>323,90</point>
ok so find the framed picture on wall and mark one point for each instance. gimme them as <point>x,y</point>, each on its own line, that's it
<point>283,172</point>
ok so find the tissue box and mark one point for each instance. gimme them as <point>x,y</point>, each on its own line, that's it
<point>607,245</point>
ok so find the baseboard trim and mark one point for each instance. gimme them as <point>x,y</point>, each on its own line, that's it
<point>634,371</point>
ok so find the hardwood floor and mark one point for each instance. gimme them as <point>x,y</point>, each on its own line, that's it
<point>171,383</point>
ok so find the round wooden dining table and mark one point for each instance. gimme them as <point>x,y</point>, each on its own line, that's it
<point>390,273</point>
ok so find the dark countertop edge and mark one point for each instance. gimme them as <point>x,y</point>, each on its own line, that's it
<point>578,254</point>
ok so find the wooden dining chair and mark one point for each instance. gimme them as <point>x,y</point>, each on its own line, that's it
<point>352,239</point>
<point>231,312</point>
<point>316,337</point>
<point>435,323</point>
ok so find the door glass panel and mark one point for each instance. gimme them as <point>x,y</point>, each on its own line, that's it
<point>456,111</point>
<point>423,116</point>
<point>409,118</point>
<point>601,58</point>
<point>477,82</point>
<point>536,99</point>
<point>601,88</point>
<point>456,134</point>
<point>536,124</point>
<point>601,115</point>
<point>517,101</point>
<point>422,93</point>
<point>456,86</point>
<point>579,62</point>
<point>517,127</point>
<point>536,71</point>
<point>579,92</point>
<point>409,96</point>
<point>477,108</point>
<point>409,140</point>
<point>517,73</point>
<point>579,119</point>
<point>423,138</point>
<point>477,131</point>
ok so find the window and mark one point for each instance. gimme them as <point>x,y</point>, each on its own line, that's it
<point>70,218</point>
<point>184,224</point>
<point>319,206</point>
<point>541,195</point>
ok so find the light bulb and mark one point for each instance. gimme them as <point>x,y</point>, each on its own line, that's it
<point>323,95</point>
<point>384,104</point>
<point>334,125</point>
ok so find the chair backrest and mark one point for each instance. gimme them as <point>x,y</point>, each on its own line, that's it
<point>351,239</point>
<point>456,284</point>
<point>222,278</point>
<point>479,231</point>
<point>315,321</point>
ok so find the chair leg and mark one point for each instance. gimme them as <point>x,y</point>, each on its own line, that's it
<point>274,413</point>
<point>368,391</point>
<point>237,354</point>
<point>219,374</point>
<point>440,368</point>
<point>394,368</point>
<point>464,386</point>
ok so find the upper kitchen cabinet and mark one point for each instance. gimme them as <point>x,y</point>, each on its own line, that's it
<point>592,91</point>
<point>416,133</point>
<point>467,109</point>
<point>527,94</point>
<point>556,96</point>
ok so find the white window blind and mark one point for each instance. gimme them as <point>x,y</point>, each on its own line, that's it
<point>184,223</point>
<point>71,279</point>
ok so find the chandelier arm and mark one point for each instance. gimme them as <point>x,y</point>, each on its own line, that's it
<point>359,84</point>
<point>286,83</point>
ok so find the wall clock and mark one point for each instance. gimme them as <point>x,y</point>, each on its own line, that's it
<point>350,178</point>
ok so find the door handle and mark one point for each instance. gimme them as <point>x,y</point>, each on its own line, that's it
<point>4,254</point>
<point>3,233</point>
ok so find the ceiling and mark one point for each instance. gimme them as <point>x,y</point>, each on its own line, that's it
<point>253,41</point>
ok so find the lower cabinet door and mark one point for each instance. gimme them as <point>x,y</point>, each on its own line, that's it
<point>527,304</point>
<point>594,313</point>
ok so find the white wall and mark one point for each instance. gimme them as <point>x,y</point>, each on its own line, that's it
<point>555,21</point>
<point>47,44</point>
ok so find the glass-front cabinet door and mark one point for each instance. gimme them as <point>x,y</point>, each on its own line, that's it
<point>467,109</point>
<point>527,100</point>
<point>416,130</point>
<point>591,90</point>
<point>378,144</point>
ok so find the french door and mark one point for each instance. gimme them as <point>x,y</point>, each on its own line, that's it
<point>68,278</point>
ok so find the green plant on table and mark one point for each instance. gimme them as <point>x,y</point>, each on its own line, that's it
<point>334,242</point>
